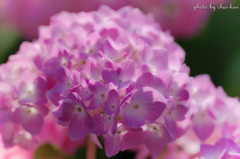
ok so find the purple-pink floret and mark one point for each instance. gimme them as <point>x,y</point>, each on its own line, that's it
<point>118,76</point>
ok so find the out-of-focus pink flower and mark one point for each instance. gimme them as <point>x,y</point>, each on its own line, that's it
<point>178,16</point>
<point>27,16</point>
<point>214,122</point>
<point>14,153</point>
<point>56,135</point>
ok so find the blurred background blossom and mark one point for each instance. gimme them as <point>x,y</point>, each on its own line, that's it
<point>177,16</point>
<point>210,39</point>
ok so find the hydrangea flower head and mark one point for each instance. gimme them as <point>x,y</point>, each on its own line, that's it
<point>114,74</point>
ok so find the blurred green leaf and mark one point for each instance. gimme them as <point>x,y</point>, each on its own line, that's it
<point>47,151</point>
<point>232,74</point>
<point>9,42</point>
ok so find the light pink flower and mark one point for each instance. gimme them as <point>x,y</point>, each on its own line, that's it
<point>114,74</point>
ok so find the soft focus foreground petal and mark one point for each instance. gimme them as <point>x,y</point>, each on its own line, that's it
<point>112,145</point>
<point>26,140</point>
<point>156,138</point>
<point>179,112</point>
<point>33,93</point>
<point>80,125</point>
<point>213,151</point>
<point>4,114</point>
<point>7,131</point>
<point>29,118</point>
<point>14,152</point>
<point>203,125</point>
<point>182,95</point>
<point>33,123</point>
<point>171,125</point>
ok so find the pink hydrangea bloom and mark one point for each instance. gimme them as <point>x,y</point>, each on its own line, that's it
<point>118,75</point>
<point>215,124</point>
<point>178,16</point>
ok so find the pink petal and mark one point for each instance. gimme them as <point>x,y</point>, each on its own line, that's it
<point>92,69</point>
<point>80,126</point>
<point>213,151</point>
<point>30,119</point>
<point>203,125</point>
<point>95,140</point>
<point>127,70</point>
<point>109,50</point>
<point>152,111</point>
<point>19,115</point>
<point>171,125</point>
<point>104,124</point>
<point>161,82</point>
<point>4,114</point>
<point>76,77</point>
<point>179,112</point>
<point>85,92</point>
<point>96,102</point>
<point>182,95</point>
<point>143,96</point>
<point>56,93</point>
<point>133,117</point>
<point>110,75</point>
<point>7,131</point>
<point>65,112</point>
<point>131,139</point>
<point>145,79</point>
<point>112,145</point>
<point>166,78</point>
<point>50,66</point>
<point>33,123</point>
<point>62,75</point>
<point>147,53</point>
<point>156,139</point>
<point>159,59</point>
<point>112,103</point>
